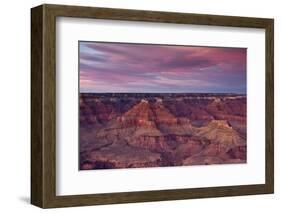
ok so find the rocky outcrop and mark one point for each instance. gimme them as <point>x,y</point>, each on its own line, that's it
<point>221,132</point>
<point>117,156</point>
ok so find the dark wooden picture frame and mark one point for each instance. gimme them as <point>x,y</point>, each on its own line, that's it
<point>43,105</point>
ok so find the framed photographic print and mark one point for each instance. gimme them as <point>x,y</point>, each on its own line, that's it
<point>136,106</point>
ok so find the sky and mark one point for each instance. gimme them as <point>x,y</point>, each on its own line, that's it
<point>152,68</point>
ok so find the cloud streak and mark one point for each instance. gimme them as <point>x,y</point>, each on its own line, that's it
<point>122,67</point>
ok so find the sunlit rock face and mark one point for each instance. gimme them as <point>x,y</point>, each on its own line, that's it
<point>154,130</point>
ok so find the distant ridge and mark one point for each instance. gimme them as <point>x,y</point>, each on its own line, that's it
<point>163,94</point>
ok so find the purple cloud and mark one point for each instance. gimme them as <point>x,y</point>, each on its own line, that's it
<point>120,67</point>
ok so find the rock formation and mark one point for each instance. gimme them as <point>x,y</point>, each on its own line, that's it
<point>150,130</point>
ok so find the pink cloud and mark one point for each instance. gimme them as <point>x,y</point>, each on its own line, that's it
<point>125,65</point>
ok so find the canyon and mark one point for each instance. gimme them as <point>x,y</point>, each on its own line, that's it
<point>136,130</point>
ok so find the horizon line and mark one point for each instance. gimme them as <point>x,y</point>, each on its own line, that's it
<point>166,93</point>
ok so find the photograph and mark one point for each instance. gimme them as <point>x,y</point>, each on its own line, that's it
<point>159,105</point>
<point>145,105</point>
